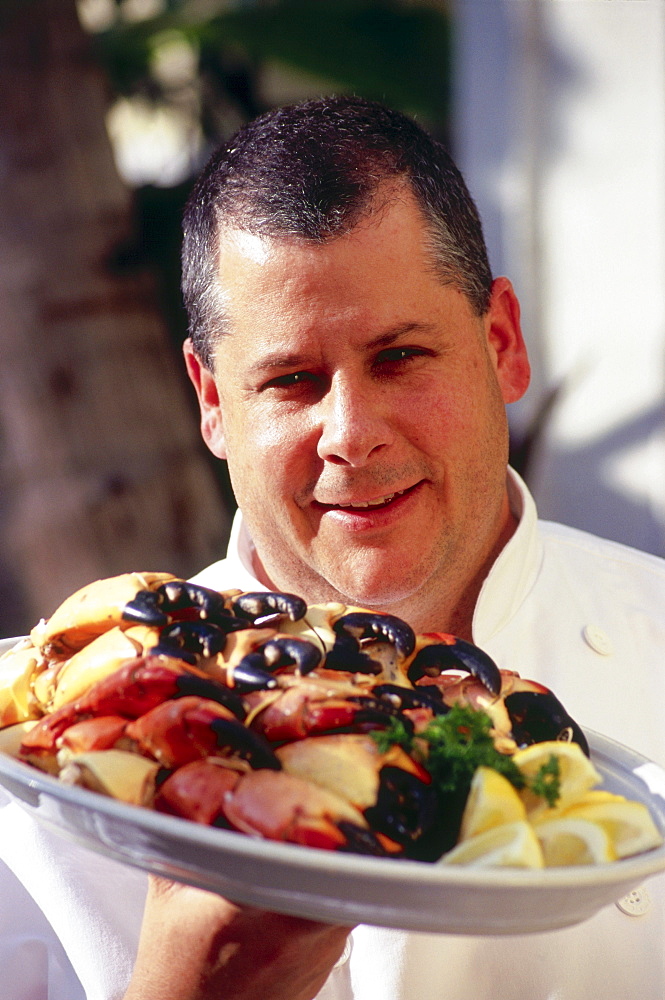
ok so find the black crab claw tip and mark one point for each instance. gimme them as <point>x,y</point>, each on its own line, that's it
<point>145,608</point>
<point>402,698</point>
<point>370,625</point>
<point>206,687</point>
<point>255,605</point>
<point>196,638</point>
<point>285,651</point>
<point>245,743</point>
<point>377,712</point>
<point>347,656</point>
<point>537,717</point>
<point>360,840</point>
<point>180,595</point>
<point>432,660</point>
<point>405,809</point>
<point>175,600</point>
<point>254,671</point>
<point>250,674</point>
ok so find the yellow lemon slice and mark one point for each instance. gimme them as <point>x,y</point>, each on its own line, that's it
<point>512,845</point>
<point>577,775</point>
<point>597,795</point>
<point>628,824</point>
<point>492,801</point>
<point>591,797</point>
<point>569,840</point>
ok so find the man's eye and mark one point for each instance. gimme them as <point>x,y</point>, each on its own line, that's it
<point>289,380</point>
<point>394,355</point>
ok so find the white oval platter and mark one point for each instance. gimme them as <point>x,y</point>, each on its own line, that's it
<point>346,888</point>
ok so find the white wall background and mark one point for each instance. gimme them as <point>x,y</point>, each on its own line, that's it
<point>561,111</point>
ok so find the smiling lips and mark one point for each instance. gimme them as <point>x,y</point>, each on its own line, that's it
<point>379,502</point>
<point>364,504</point>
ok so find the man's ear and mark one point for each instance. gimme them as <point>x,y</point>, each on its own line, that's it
<point>506,343</point>
<point>203,380</point>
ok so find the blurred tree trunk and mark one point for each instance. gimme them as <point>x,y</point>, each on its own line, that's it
<point>102,468</point>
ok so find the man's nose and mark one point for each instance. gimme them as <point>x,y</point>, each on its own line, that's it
<point>354,424</point>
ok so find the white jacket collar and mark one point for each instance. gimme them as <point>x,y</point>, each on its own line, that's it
<point>515,570</point>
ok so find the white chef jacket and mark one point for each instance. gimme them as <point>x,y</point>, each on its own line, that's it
<point>584,616</point>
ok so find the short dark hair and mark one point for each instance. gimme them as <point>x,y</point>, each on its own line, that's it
<point>309,171</point>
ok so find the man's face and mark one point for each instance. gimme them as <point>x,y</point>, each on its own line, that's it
<point>360,405</point>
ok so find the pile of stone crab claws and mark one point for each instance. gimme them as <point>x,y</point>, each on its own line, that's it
<point>253,712</point>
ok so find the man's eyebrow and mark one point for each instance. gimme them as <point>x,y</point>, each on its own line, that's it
<point>390,336</point>
<point>277,360</point>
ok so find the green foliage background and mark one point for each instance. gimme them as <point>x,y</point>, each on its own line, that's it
<point>390,50</point>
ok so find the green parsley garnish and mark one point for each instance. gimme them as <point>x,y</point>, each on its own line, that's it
<point>460,742</point>
<point>452,746</point>
<point>395,734</point>
<point>547,781</point>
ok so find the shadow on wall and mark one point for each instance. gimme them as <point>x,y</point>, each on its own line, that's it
<point>511,131</point>
<point>587,478</point>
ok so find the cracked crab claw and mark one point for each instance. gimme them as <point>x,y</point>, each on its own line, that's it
<point>393,791</point>
<point>280,806</point>
<point>91,611</point>
<point>438,652</point>
<point>19,668</point>
<point>118,773</point>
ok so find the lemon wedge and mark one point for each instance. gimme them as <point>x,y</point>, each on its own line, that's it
<point>492,801</point>
<point>570,840</point>
<point>511,845</point>
<point>577,775</point>
<point>628,824</point>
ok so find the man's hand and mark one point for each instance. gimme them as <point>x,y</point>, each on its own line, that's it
<point>197,946</point>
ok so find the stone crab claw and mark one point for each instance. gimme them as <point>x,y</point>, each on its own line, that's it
<point>424,701</point>
<point>120,774</point>
<point>373,625</point>
<point>193,640</point>
<point>355,640</point>
<point>537,715</point>
<point>370,642</point>
<point>135,688</point>
<point>301,707</point>
<point>523,712</point>
<point>91,611</point>
<point>190,728</point>
<point>393,792</point>
<point>255,670</point>
<point>259,604</point>
<point>438,652</point>
<point>269,804</point>
<point>180,601</point>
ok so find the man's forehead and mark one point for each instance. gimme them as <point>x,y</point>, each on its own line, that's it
<point>250,245</point>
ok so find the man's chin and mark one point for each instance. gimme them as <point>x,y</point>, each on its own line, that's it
<point>376,591</point>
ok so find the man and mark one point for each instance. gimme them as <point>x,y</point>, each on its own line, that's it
<point>352,358</point>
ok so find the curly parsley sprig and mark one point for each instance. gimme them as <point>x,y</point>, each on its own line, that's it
<point>454,745</point>
<point>547,782</point>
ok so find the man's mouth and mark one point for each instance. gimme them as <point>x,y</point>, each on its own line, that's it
<point>382,501</point>
<point>377,502</point>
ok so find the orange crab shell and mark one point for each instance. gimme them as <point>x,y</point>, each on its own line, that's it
<point>281,806</point>
<point>178,731</point>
